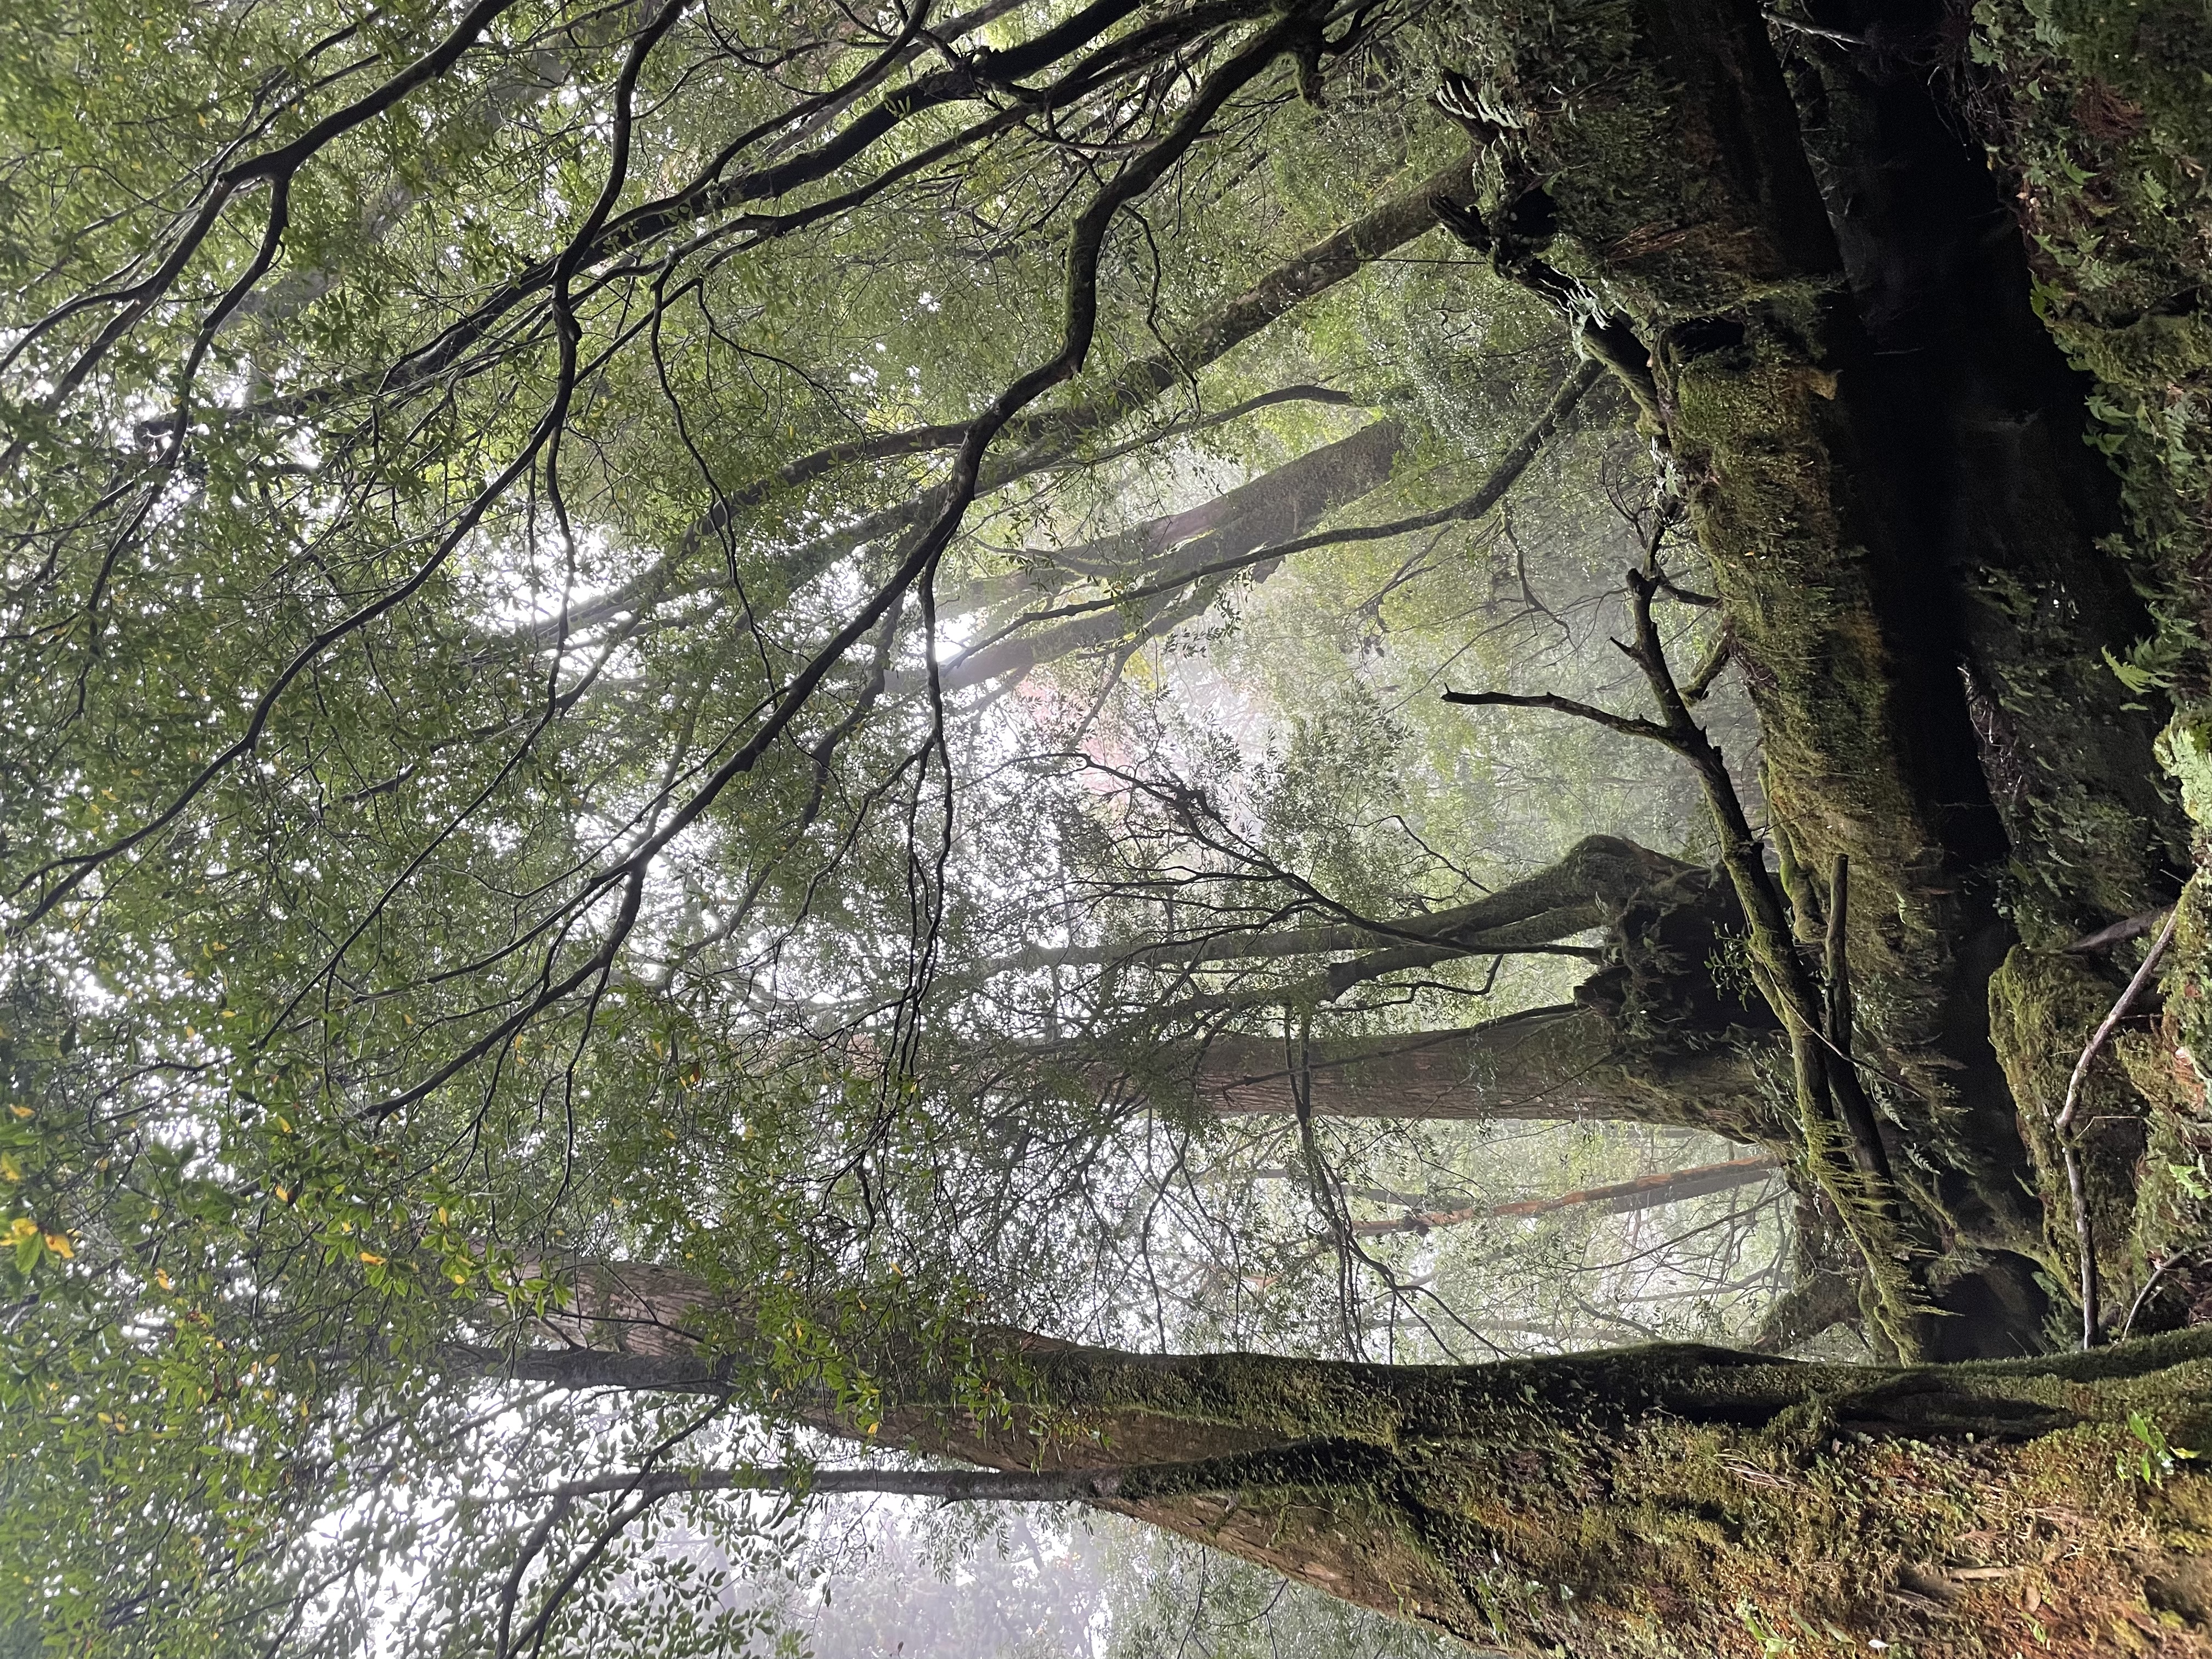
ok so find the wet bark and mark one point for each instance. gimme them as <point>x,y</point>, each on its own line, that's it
<point>1685,1500</point>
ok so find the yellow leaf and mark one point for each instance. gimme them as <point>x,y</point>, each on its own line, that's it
<point>162,1278</point>
<point>283,1196</point>
<point>283,1125</point>
<point>10,1169</point>
<point>59,1244</point>
<point>20,1111</point>
<point>373,1261</point>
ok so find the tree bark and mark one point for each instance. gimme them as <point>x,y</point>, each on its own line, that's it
<point>1650,1038</point>
<point>1563,1062</point>
<point>1597,876</point>
<point>1876,448</point>
<point>1624,1505</point>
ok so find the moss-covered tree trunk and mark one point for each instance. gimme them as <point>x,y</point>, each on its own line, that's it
<point>1648,1502</point>
<point>1793,269</point>
<point>1673,1501</point>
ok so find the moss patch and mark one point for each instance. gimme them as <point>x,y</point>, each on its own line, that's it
<point>2042,1009</point>
<point>2101,111</point>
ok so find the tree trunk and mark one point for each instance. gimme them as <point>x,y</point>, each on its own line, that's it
<point>1650,1038</point>
<point>1044,438</point>
<point>1596,875</point>
<point>1629,1504</point>
<point>1648,1192</point>
<point>1683,1500</point>
<point>1285,503</point>
<point>1878,451</point>
<point>1565,1062</point>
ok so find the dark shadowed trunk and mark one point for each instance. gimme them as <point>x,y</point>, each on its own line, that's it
<point>1807,280</point>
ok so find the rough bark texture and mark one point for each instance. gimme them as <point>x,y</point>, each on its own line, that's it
<point>1878,448</point>
<point>1658,1501</point>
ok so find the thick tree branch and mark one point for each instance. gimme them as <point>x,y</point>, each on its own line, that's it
<point>1468,509</point>
<point>1047,440</point>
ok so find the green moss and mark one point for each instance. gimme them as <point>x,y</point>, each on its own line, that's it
<point>1668,148</point>
<point>2102,111</point>
<point>2184,749</point>
<point>1751,432</point>
<point>2042,1009</point>
<point>1642,1504</point>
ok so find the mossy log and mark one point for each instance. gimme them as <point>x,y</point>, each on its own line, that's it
<point>1673,1501</point>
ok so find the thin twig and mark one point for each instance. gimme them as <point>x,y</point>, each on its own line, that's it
<point>1695,688</point>
<point>2062,1125</point>
<point>1627,725</point>
<point>2150,1285</point>
<point>2119,932</point>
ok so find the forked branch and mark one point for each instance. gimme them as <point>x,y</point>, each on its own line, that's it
<point>1843,1141</point>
